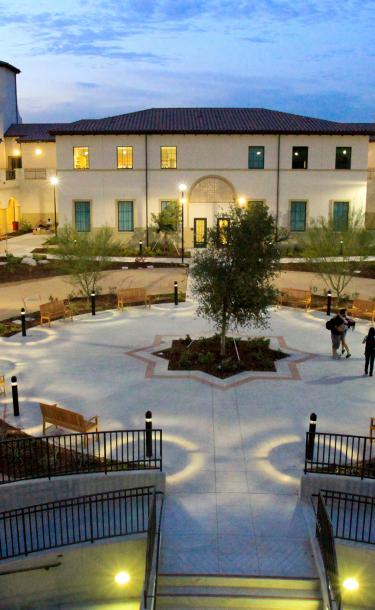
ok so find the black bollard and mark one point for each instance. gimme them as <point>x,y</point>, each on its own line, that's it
<point>310,440</point>
<point>148,426</point>
<point>140,248</point>
<point>176,293</point>
<point>329,302</point>
<point>23,322</point>
<point>16,407</point>
<point>341,247</point>
<point>93,303</point>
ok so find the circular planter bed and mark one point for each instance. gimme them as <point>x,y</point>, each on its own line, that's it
<point>203,354</point>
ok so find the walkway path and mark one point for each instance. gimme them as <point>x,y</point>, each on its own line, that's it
<point>233,457</point>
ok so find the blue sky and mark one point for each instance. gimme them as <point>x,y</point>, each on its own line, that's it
<point>103,57</point>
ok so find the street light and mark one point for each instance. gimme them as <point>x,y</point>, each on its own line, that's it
<point>54,182</point>
<point>182,188</point>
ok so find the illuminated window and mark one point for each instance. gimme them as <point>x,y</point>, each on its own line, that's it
<point>125,216</point>
<point>168,157</point>
<point>82,216</point>
<point>343,157</point>
<point>256,157</point>
<point>81,157</point>
<point>340,215</point>
<point>298,216</point>
<point>124,157</point>
<point>223,225</point>
<point>300,157</point>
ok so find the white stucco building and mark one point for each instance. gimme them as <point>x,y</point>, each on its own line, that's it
<point>117,171</point>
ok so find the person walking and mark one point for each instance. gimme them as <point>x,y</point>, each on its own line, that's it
<point>348,323</point>
<point>369,351</point>
<point>337,326</point>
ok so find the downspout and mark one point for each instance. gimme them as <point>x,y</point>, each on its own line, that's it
<point>278,185</point>
<point>146,187</point>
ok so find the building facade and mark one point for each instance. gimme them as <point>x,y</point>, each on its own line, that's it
<point>120,170</point>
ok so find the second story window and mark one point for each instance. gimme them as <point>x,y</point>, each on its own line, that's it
<point>343,157</point>
<point>300,157</point>
<point>81,157</point>
<point>256,157</point>
<point>168,157</point>
<point>124,157</point>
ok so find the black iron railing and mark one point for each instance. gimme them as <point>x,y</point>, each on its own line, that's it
<point>153,537</point>
<point>10,174</point>
<point>352,515</point>
<point>341,454</point>
<point>51,456</point>
<point>74,521</point>
<point>324,534</point>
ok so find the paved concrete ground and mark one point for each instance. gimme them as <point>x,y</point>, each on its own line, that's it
<point>233,455</point>
<point>156,281</point>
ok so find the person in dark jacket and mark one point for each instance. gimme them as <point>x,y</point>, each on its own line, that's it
<point>369,351</point>
<point>337,327</point>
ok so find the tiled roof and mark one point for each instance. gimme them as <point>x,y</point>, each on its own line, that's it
<point>32,132</point>
<point>4,64</point>
<point>212,120</point>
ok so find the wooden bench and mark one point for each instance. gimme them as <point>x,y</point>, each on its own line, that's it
<point>127,296</point>
<point>295,297</point>
<point>2,385</point>
<point>372,427</point>
<point>53,311</point>
<point>59,417</point>
<point>363,308</point>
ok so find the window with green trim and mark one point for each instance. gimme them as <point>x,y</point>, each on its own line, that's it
<point>125,215</point>
<point>256,157</point>
<point>82,216</point>
<point>340,215</point>
<point>298,216</point>
<point>164,204</point>
<point>343,157</point>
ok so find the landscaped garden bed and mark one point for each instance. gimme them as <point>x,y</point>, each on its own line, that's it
<point>203,354</point>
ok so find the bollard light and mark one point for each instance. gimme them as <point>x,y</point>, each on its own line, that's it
<point>176,293</point>
<point>122,578</point>
<point>16,408</point>
<point>23,322</point>
<point>351,584</point>
<point>148,427</point>
<point>93,304</point>
<point>329,302</point>
<point>310,441</point>
<point>140,247</point>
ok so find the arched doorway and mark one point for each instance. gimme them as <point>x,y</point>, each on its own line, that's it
<point>207,196</point>
<point>13,213</point>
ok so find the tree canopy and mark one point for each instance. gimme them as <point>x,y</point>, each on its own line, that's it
<point>232,278</point>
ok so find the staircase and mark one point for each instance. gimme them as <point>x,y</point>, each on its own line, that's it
<point>179,591</point>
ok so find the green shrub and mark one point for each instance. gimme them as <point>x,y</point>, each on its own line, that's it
<point>185,360</point>
<point>12,260</point>
<point>25,226</point>
<point>206,358</point>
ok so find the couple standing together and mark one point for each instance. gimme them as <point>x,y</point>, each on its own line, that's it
<point>339,326</point>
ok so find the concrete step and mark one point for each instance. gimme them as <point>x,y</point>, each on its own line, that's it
<point>198,591</point>
<point>220,580</point>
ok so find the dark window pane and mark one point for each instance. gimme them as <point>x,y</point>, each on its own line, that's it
<point>340,215</point>
<point>125,216</point>
<point>343,157</point>
<point>298,216</point>
<point>300,157</point>
<point>82,216</point>
<point>256,157</point>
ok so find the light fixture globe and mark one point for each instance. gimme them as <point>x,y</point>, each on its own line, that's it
<point>122,578</point>
<point>182,187</point>
<point>242,201</point>
<point>54,180</point>
<point>351,584</point>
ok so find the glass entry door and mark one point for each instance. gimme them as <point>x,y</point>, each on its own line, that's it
<point>200,232</point>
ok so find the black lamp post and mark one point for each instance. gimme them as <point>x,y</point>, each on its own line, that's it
<point>341,247</point>
<point>182,188</point>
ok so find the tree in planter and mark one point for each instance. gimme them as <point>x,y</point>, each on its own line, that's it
<point>331,251</point>
<point>167,223</point>
<point>232,277</point>
<point>86,255</point>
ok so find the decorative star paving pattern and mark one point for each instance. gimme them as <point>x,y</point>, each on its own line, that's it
<point>287,369</point>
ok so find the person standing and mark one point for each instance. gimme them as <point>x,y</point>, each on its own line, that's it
<point>369,351</point>
<point>337,326</point>
<point>348,323</point>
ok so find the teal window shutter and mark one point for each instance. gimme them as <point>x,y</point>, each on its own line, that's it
<point>82,215</point>
<point>125,216</point>
<point>340,215</point>
<point>298,216</point>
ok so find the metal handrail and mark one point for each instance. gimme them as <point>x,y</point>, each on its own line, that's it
<point>340,454</point>
<point>50,456</point>
<point>352,515</point>
<point>153,536</point>
<point>74,521</point>
<point>324,534</point>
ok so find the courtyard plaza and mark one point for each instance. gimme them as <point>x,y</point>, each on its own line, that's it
<point>233,450</point>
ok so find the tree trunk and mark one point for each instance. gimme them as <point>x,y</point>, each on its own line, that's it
<point>222,334</point>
